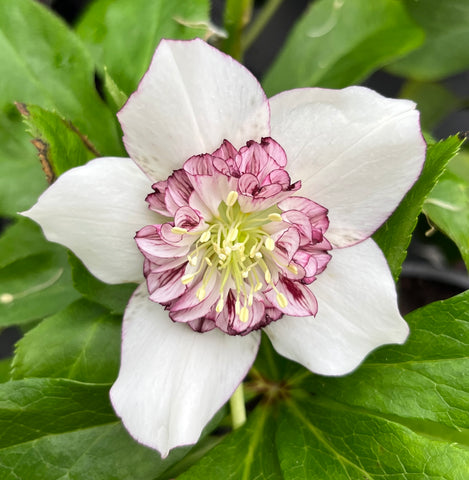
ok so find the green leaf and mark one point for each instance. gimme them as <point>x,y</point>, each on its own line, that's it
<point>248,453</point>
<point>100,453</point>
<point>420,384</point>
<point>59,143</point>
<point>35,278</point>
<point>114,95</point>
<point>46,64</point>
<point>338,43</point>
<point>447,207</point>
<point>271,365</point>
<point>434,101</point>
<point>81,343</point>
<point>445,51</point>
<point>33,408</point>
<point>394,236</point>
<point>237,15</point>
<point>56,429</point>
<point>21,179</point>
<point>329,441</point>
<point>22,239</point>
<point>460,163</point>
<point>107,26</point>
<point>42,62</point>
<point>405,410</point>
<point>197,452</point>
<point>34,287</point>
<point>5,366</point>
<point>403,414</point>
<point>113,297</point>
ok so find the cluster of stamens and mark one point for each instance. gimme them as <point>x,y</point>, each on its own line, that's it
<point>235,247</point>
<point>238,249</point>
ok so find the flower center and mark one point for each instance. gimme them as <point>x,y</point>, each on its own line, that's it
<point>239,250</point>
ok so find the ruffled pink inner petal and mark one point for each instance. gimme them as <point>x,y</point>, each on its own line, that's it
<point>238,248</point>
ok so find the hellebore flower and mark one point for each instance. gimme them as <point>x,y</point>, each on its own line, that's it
<point>250,214</point>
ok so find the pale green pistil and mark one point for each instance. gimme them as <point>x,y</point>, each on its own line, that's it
<point>235,246</point>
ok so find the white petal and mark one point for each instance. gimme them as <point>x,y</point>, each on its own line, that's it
<point>95,211</point>
<point>172,380</point>
<point>357,312</point>
<point>356,153</point>
<point>190,100</point>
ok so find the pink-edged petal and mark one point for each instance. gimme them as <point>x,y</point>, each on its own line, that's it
<point>189,306</point>
<point>188,218</point>
<point>302,225</point>
<point>317,214</point>
<point>211,186</point>
<point>190,100</point>
<point>248,184</point>
<point>278,176</point>
<point>256,158</point>
<point>356,153</point>
<point>172,379</point>
<point>300,299</point>
<point>357,312</point>
<point>95,211</point>
<point>229,321</point>
<point>165,286</point>
<point>155,247</point>
<point>288,243</point>
<point>170,194</point>
<point>226,152</point>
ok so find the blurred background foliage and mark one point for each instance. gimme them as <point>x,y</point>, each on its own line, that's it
<point>71,75</point>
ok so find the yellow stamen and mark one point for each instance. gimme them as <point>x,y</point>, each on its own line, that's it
<point>244,314</point>
<point>282,300</point>
<point>220,305</point>
<point>269,244</point>
<point>179,230</point>
<point>187,278</point>
<point>275,217</point>
<point>231,198</point>
<point>222,250</point>
<point>292,268</point>
<point>232,235</point>
<point>205,237</point>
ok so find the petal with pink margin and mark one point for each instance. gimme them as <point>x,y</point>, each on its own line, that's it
<point>357,312</point>
<point>357,153</point>
<point>172,379</point>
<point>191,99</point>
<point>95,211</point>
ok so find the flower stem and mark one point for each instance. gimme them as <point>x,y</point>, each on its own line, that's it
<point>237,16</point>
<point>260,22</point>
<point>238,407</point>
